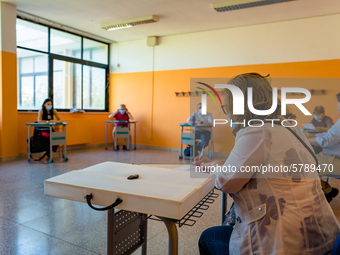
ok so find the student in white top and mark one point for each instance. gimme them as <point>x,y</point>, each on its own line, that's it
<point>330,156</point>
<point>201,120</point>
<point>279,210</point>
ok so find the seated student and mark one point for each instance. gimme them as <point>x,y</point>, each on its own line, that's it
<point>121,114</point>
<point>47,113</point>
<point>320,121</point>
<point>278,212</point>
<point>330,144</point>
<point>203,120</point>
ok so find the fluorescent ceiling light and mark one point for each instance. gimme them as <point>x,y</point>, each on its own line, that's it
<point>129,22</point>
<point>243,4</point>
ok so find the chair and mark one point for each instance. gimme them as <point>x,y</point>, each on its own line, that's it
<point>121,132</point>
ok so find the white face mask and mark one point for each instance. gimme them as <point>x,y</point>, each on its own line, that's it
<point>49,107</point>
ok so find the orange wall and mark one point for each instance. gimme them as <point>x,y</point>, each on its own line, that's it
<point>8,105</point>
<point>159,111</point>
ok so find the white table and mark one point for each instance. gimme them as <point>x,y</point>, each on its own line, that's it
<point>56,138</point>
<point>165,193</point>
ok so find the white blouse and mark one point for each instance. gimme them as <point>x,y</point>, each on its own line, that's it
<point>281,209</point>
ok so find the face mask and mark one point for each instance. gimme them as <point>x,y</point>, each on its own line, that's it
<point>317,117</point>
<point>49,107</point>
<point>230,120</point>
<point>122,111</point>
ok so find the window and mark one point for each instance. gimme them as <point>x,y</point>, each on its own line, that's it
<point>31,35</point>
<point>65,44</point>
<point>95,51</point>
<point>32,79</point>
<point>94,85</point>
<point>69,68</point>
<point>67,85</point>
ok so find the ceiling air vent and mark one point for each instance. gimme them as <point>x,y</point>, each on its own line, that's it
<point>243,4</point>
<point>129,22</point>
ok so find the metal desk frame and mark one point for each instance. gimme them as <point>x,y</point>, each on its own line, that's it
<point>56,138</point>
<point>126,233</point>
<point>192,130</point>
<point>119,121</point>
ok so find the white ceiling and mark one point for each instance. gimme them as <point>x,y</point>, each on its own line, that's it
<point>176,16</point>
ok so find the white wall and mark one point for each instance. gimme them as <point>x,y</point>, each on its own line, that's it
<point>308,39</point>
<point>8,14</point>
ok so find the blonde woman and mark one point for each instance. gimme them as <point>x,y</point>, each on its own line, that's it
<point>278,212</point>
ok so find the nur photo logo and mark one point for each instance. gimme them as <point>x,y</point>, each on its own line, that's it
<point>239,103</point>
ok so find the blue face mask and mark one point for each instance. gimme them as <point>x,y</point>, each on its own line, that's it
<point>122,111</point>
<point>49,107</point>
<point>230,120</point>
<point>317,117</point>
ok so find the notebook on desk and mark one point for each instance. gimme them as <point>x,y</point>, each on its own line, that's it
<point>308,126</point>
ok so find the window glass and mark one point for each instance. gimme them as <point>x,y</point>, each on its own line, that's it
<point>31,35</point>
<point>66,84</point>
<point>94,88</point>
<point>66,44</point>
<point>32,79</point>
<point>95,51</point>
<point>27,92</point>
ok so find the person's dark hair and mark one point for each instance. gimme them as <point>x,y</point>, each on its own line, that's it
<point>262,98</point>
<point>45,101</point>
<point>338,97</point>
<point>45,113</point>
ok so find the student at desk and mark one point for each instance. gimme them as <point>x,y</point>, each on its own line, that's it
<point>121,114</point>
<point>330,144</point>
<point>203,120</point>
<point>320,121</point>
<point>47,113</point>
<point>277,212</point>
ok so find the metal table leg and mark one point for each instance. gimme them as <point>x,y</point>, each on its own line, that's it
<point>51,152</point>
<point>29,144</point>
<point>64,146</point>
<point>181,148</point>
<point>106,136</point>
<point>128,139</point>
<point>224,207</point>
<point>135,136</point>
<point>110,231</point>
<point>173,236</point>
<point>145,234</point>
<point>115,140</point>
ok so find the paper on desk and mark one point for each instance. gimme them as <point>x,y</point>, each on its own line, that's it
<point>308,126</point>
<point>184,168</point>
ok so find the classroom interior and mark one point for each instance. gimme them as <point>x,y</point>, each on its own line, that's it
<point>296,42</point>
